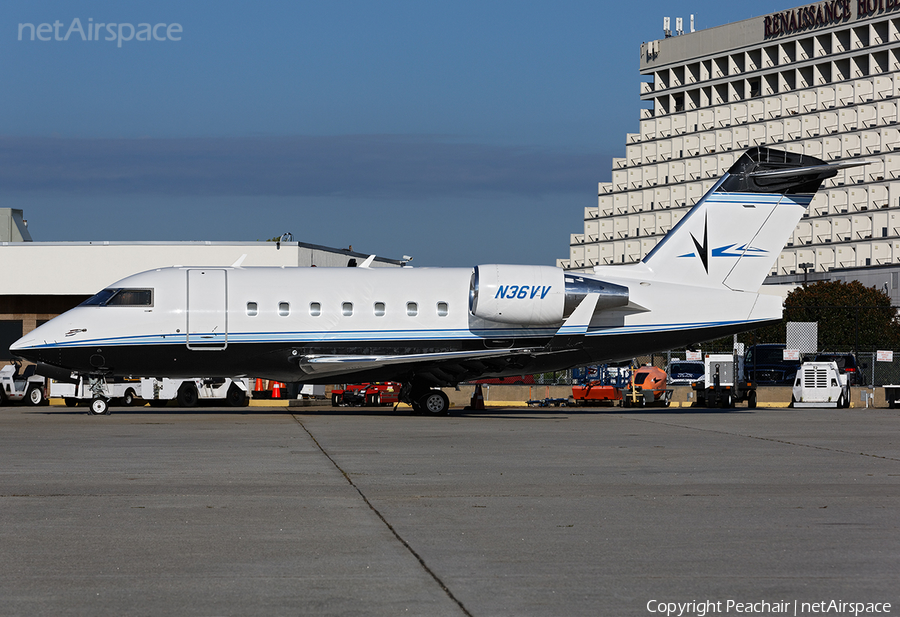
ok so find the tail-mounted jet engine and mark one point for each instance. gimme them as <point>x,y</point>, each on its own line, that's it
<point>535,295</point>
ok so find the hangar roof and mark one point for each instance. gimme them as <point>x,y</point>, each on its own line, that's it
<point>83,268</point>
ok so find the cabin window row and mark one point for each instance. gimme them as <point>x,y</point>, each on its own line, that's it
<point>378,309</point>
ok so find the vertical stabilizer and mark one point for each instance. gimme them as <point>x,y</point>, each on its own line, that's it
<point>735,233</point>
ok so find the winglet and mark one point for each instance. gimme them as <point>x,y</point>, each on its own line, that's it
<point>238,263</point>
<point>368,262</point>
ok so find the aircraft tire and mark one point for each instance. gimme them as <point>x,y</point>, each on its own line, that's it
<point>99,407</point>
<point>34,396</point>
<point>435,403</point>
<point>188,395</point>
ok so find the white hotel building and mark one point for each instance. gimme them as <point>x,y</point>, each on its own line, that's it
<point>823,80</point>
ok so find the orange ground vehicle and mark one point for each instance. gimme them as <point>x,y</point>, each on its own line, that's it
<point>366,394</point>
<point>647,386</point>
<point>596,393</point>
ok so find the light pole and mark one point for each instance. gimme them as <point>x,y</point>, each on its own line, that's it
<point>806,266</point>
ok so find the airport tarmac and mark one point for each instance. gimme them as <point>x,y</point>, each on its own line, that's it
<point>257,511</point>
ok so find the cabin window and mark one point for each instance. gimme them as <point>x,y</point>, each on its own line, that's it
<point>252,309</point>
<point>284,309</point>
<point>315,309</point>
<point>442,309</point>
<point>412,309</point>
<point>379,309</point>
<point>347,309</point>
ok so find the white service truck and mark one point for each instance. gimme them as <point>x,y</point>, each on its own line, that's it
<point>99,394</point>
<point>820,384</point>
<point>81,392</point>
<point>189,392</point>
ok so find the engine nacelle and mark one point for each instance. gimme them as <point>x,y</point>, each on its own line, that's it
<point>535,295</point>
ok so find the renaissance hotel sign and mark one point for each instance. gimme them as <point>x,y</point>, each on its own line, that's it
<point>823,14</point>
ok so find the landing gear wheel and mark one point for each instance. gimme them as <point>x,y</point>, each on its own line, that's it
<point>99,407</point>
<point>130,398</point>
<point>188,395</point>
<point>35,395</point>
<point>235,396</point>
<point>435,403</point>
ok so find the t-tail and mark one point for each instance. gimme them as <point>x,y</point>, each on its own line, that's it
<point>734,234</point>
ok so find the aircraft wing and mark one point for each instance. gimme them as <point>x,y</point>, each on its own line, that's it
<point>325,364</point>
<point>451,366</point>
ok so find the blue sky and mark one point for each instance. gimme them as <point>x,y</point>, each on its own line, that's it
<point>459,133</point>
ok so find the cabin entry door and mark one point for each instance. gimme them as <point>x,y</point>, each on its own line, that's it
<point>207,310</point>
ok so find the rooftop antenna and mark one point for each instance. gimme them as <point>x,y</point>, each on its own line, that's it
<point>679,26</point>
<point>692,23</point>
<point>667,26</point>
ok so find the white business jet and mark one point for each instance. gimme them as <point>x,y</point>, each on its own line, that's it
<point>433,327</point>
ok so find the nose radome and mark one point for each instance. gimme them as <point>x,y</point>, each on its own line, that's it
<point>25,342</point>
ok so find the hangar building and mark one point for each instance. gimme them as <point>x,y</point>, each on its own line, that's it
<point>43,279</point>
<point>822,79</point>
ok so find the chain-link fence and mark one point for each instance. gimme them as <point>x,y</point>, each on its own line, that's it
<point>862,331</point>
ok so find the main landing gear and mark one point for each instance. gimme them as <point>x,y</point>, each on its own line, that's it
<point>425,401</point>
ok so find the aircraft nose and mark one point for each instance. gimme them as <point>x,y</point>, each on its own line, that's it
<point>22,346</point>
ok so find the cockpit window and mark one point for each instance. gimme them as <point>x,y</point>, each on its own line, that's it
<point>121,297</point>
<point>99,299</point>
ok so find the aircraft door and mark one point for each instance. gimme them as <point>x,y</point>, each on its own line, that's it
<point>207,316</point>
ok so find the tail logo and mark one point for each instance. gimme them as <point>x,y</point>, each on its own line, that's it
<point>702,249</point>
<point>729,250</point>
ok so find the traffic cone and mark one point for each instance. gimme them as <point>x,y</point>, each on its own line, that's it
<point>259,385</point>
<point>477,401</point>
<point>276,390</point>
